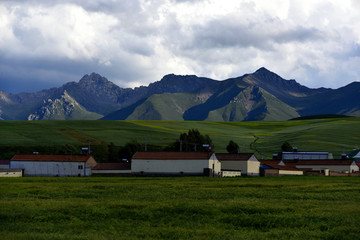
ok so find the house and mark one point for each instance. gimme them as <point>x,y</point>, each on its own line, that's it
<point>112,169</point>
<point>344,166</point>
<point>54,165</point>
<point>4,164</point>
<point>246,163</point>
<point>279,168</point>
<point>175,163</point>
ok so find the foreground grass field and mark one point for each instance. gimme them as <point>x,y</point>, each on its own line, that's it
<point>180,208</point>
<point>263,138</point>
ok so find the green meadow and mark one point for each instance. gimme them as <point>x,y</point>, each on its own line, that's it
<point>263,138</point>
<point>180,208</point>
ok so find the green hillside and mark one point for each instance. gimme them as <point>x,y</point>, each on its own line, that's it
<point>265,138</point>
<point>169,106</point>
<point>253,104</point>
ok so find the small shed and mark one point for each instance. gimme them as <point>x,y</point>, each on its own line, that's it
<point>344,166</point>
<point>175,163</point>
<point>112,169</point>
<point>54,165</point>
<point>4,164</point>
<point>11,172</point>
<point>247,163</point>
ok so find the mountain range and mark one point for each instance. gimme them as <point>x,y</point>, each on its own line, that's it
<point>262,95</point>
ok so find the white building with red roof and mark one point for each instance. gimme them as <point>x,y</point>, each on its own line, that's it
<point>54,165</point>
<point>175,163</point>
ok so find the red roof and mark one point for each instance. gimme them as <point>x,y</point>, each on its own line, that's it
<point>112,166</point>
<point>51,158</point>
<point>325,162</point>
<point>275,164</point>
<point>233,157</point>
<point>172,155</point>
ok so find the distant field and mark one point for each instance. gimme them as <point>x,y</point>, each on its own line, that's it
<point>180,208</point>
<point>265,138</point>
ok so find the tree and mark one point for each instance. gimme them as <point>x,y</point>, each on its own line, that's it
<point>127,151</point>
<point>286,147</point>
<point>232,147</point>
<point>192,141</point>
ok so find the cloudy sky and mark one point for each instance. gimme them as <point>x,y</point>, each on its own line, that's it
<point>48,43</point>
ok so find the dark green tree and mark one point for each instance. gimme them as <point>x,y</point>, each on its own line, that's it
<point>192,141</point>
<point>232,147</point>
<point>286,147</point>
<point>127,151</point>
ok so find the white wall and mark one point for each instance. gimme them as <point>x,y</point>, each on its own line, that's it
<point>171,166</point>
<point>290,172</point>
<point>61,169</point>
<point>4,166</point>
<point>249,167</point>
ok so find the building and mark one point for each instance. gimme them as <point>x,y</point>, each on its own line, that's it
<point>344,166</point>
<point>112,169</point>
<point>175,163</point>
<point>246,163</point>
<point>4,164</point>
<point>54,165</point>
<point>279,168</point>
<point>295,155</point>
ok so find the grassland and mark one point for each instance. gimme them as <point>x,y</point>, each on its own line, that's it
<point>180,208</point>
<point>265,138</point>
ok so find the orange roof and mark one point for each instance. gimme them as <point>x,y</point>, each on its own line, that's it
<point>172,155</point>
<point>233,157</point>
<point>51,158</point>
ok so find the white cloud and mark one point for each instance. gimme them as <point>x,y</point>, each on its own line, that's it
<point>137,42</point>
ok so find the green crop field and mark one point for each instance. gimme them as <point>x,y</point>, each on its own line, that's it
<point>263,138</point>
<point>180,208</point>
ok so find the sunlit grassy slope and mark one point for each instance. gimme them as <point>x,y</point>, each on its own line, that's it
<point>265,138</point>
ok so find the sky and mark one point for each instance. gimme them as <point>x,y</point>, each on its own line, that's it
<point>45,44</point>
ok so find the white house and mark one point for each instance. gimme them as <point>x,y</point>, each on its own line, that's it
<point>175,163</point>
<point>247,163</point>
<point>345,166</point>
<point>54,165</point>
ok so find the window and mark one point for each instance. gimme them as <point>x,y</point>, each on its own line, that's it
<point>80,167</point>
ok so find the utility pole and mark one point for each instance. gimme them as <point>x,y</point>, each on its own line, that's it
<point>181,145</point>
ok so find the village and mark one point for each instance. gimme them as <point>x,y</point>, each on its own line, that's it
<point>208,164</point>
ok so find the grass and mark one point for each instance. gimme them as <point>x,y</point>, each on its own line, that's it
<point>265,138</point>
<point>180,208</point>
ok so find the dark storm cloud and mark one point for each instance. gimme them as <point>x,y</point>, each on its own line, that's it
<point>48,43</point>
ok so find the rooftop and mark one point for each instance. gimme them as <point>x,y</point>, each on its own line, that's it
<point>233,157</point>
<point>51,158</point>
<point>172,155</point>
<point>325,162</point>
